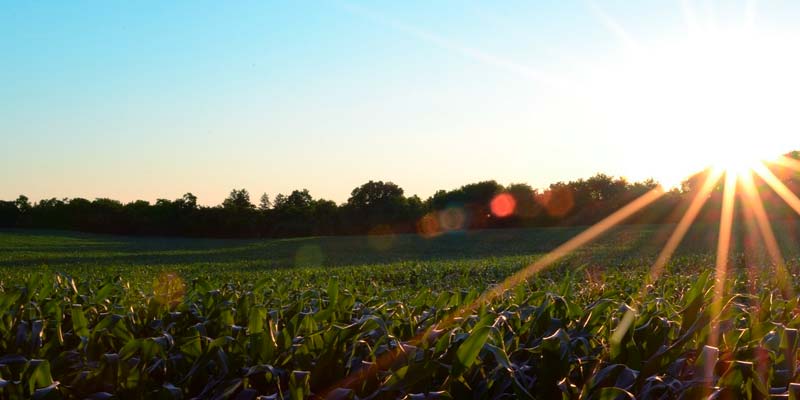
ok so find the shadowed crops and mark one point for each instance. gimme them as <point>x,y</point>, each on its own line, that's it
<point>102,317</point>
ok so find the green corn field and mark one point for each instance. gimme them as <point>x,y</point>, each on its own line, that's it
<point>100,317</point>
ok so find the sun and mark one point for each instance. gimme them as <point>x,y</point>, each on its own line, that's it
<point>739,157</point>
<point>721,98</point>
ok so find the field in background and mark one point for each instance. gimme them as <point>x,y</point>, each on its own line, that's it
<point>110,315</point>
<point>60,250</point>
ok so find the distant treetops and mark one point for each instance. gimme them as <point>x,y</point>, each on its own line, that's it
<point>376,207</point>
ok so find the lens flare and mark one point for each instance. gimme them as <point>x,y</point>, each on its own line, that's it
<point>169,289</point>
<point>309,255</point>
<point>720,101</point>
<point>503,205</point>
<point>428,226</point>
<point>452,218</point>
<point>558,201</point>
<point>381,237</point>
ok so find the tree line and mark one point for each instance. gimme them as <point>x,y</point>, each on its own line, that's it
<point>376,207</point>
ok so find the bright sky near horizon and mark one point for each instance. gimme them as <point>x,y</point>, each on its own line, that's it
<point>146,99</point>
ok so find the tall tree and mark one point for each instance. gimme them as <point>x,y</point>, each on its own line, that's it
<point>376,203</point>
<point>264,204</point>
<point>375,193</point>
<point>189,200</point>
<point>280,200</point>
<point>22,203</point>
<point>238,200</point>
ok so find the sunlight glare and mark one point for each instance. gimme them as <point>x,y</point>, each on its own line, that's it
<point>720,98</point>
<point>752,199</point>
<point>723,253</point>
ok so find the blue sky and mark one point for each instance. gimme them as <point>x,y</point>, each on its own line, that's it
<point>149,100</point>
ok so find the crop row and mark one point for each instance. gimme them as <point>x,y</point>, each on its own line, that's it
<point>589,334</point>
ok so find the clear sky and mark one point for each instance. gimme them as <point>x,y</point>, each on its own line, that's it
<point>145,100</point>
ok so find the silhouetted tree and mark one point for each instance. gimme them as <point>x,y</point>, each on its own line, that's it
<point>238,200</point>
<point>280,199</point>
<point>264,204</point>
<point>473,198</point>
<point>293,214</point>
<point>325,218</point>
<point>527,208</point>
<point>602,187</point>
<point>188,201</point>
<point>23,204</point>
<point>382,207</point>
<point>378,203</point>
<point>375,193</point>
<point>8,214</point>
<point>299,199</point>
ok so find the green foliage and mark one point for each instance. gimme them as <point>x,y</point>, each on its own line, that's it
<point>216,326</point>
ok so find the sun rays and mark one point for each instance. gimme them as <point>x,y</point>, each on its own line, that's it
<point>734,155</point>
<point>790,198</point>
<point>740,195</point>
<point>723,249</point>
